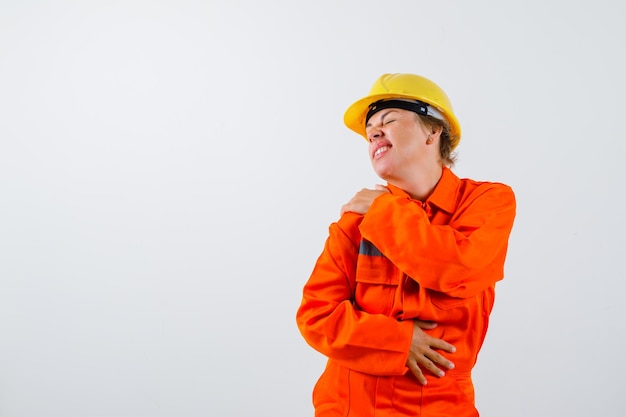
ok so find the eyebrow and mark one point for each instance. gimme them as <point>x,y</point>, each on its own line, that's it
<point>382,118</point>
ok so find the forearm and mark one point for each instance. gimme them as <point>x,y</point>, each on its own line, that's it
<point>461,258</point>
<point>330,323</point>
<point>370,343</point>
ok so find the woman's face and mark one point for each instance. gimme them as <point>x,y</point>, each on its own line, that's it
<point>397,144</point>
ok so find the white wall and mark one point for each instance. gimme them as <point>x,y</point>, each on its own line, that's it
<point>168,170</point>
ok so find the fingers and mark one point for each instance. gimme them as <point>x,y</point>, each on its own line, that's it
<point>428,340</point>
<point>435,356</point>
<point>430,366</point>
<point>438,359</point>
<point>428,325</point>
<point>422,362</point>
<point>429,363</point>
<point>362,200</point>
<point>441,344</point>
<point>424,353</point>
<point>417,372</point>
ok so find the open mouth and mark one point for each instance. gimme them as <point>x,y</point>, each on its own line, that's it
<point>380,151</point>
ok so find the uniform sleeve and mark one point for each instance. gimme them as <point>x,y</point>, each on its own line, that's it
<point>459,259</point>
<point>371,343</point>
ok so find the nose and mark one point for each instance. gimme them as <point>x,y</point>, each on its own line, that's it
<point>374,134</point>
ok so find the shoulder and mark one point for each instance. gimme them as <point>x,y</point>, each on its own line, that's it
<point>467,185</point>
<point>488,194</point>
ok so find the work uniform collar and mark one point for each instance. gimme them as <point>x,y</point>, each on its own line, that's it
<point>444,194</point>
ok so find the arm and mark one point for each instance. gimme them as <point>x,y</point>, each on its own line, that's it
<point>370,343</point>
<point>330,324</point>
<point>461,258</point>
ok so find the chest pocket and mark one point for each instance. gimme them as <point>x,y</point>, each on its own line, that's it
<point>377,280</point>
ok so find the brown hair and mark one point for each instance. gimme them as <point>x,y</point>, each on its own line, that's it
<point>445,140</point>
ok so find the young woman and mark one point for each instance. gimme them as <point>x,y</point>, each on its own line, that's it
<point>399,300</point>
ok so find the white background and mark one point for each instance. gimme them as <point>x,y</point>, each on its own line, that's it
<point>168,170</point>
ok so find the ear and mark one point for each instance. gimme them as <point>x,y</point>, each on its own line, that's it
<point>435,131</point>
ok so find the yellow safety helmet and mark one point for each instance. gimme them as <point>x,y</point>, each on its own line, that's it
<point>404,87</point>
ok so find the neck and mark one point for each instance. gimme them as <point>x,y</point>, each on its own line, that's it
<point>422,184</point>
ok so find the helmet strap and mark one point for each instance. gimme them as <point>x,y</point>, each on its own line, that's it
<point>415,106</point>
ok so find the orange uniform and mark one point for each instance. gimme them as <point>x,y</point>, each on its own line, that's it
<point>438,260</point>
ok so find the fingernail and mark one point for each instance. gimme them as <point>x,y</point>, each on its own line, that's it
<point>451,366</point>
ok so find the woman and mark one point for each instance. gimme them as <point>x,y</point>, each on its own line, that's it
<point>399,300</point>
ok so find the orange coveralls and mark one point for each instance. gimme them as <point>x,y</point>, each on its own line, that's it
<point>403,260</point>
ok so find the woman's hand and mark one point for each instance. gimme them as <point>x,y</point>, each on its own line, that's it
<point>423,353</point>
<point>362,200</point>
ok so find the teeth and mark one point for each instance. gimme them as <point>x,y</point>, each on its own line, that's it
<point>381,150</point>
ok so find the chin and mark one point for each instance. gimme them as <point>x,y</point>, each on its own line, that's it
<point>383,174</point>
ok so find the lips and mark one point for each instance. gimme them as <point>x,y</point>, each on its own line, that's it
<point>380,150</point>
